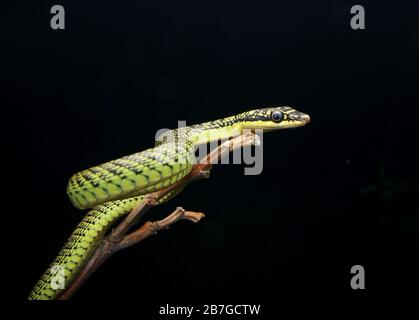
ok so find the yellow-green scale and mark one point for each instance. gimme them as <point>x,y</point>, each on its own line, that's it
<point>79,247</point>
<point>139,174</point>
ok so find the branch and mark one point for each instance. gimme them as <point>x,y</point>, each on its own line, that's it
<point>150,228</point>
<point>119,239</point>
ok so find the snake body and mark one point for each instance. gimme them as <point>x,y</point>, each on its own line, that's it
<point>115,188</point>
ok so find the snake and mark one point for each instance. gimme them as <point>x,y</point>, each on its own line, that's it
<point>113,189</point>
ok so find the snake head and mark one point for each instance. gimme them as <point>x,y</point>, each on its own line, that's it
<point>273,118</point>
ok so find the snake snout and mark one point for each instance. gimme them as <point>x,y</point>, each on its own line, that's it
<point>305,118</point>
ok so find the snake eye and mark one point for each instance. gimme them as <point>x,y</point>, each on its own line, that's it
<point>277,116</point>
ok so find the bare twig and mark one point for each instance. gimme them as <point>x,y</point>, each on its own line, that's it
<point>150,228</point>
<point>119,239</point>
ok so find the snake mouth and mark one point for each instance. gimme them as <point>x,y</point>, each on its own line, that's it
<point>295,122</point>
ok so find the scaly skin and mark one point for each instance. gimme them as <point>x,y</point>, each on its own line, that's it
<point>81,245</point>
<point>140,173</point>
<point>115,188</point>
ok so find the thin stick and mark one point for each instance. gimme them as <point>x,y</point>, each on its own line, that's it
<point>149,228</point>
<point>119,239</point>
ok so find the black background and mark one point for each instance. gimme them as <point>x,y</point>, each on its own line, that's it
<point>339,192</point>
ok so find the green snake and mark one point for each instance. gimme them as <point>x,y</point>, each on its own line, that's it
<point>115,188</point>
